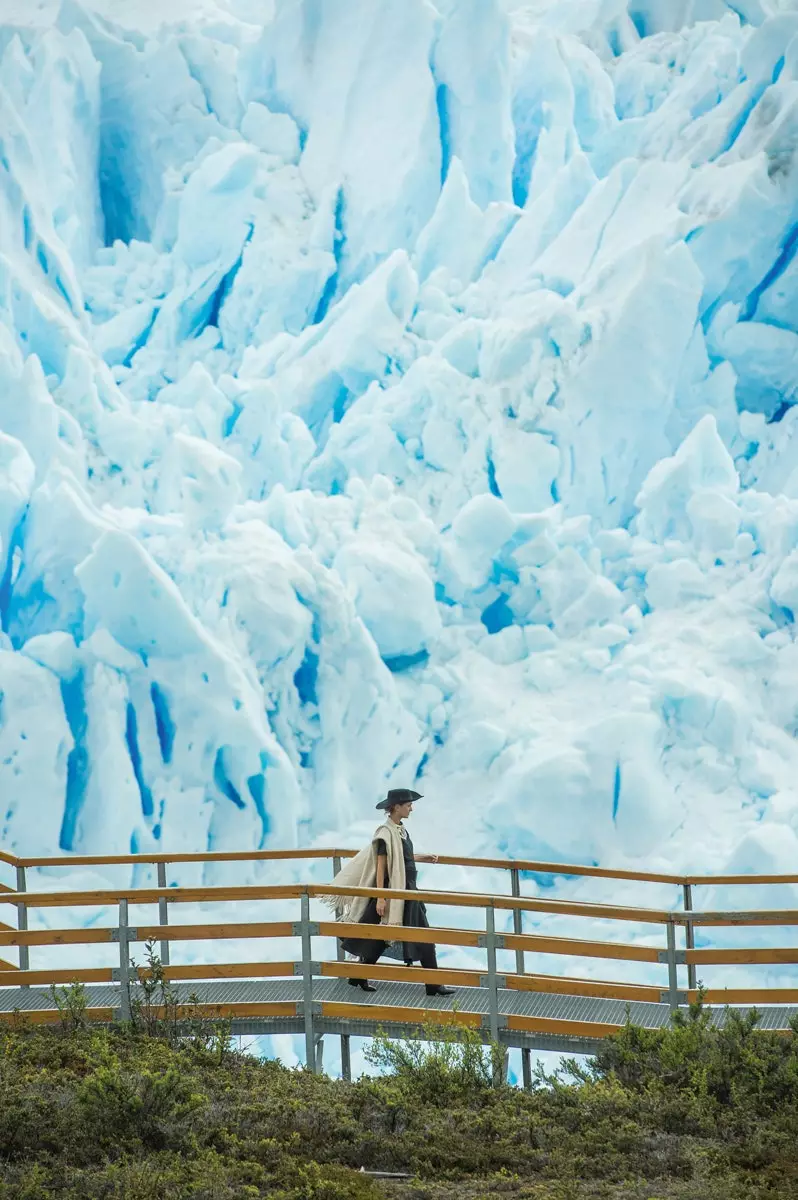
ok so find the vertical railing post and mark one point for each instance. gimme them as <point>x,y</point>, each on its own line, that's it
<point>518,919</point>
<point>689,940</point>
<point>307,985</point>
<point>124,962</point>
<point>673,979</point>
<point>163,912</point>
<point>346,1053</point>
<point>22,922</point>
<point>520,967</point>
<point>493,983</point>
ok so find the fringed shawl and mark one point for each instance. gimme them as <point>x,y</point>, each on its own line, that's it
<point>361,871</point>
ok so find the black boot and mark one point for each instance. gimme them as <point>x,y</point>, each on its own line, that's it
<point>363,984</point>
<point>437,989</point>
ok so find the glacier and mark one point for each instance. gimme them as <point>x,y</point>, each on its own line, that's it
<point>401,393</point>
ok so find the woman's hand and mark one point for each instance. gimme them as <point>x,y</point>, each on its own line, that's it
<point>433,858</point>
<point>381,907</point>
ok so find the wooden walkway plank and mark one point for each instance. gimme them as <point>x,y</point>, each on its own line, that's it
<point>760,955</point>
<point>579,948</point>
<point>159,933</point>
<point>51,1016</point>
<point>747,996</point>
<point>592,1029</point>
<point>200,933</point>
<point>58,978</point>
<point>526,866</point>
<point>454,976</point>
<point>54,937</point>
<point>106,897</point>
<point>413,1017</point>
<point>555,985</point>
<point>110,897</point>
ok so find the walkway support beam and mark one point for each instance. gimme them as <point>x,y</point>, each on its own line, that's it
<point>520,969</point>
<point>673,979</point>
<point>163,912</point>
<point>346,1052</point>
<point>22,922</point>
<point>126,1010</point>
<point>493,985</point>
<point>689,939</point>
<point>307,985</point>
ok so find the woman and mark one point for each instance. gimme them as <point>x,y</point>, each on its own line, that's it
<point>388,862</point>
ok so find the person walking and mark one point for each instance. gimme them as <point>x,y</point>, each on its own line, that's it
<point>388,861</point>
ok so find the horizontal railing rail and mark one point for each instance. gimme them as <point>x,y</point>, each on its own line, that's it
<point>206,895</point>
<point>525,866</point>
<point>457,976</point>
<point>255,892</point>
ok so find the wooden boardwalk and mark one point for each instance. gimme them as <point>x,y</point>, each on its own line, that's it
<point>527,1020</point>
<point>310,996</point>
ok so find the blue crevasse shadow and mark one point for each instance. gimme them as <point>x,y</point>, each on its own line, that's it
<point>331,286</point>
<point>406,662</point>
<point>73,695</point>
<point>164,725</point>
<point>132,739</point>
<point>256,785</point>
<point>225,785</point>
<point>442,104</point>
<point>306,677</point>
<point>498,615</point>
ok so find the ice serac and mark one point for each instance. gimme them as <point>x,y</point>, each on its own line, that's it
<point>154,119</point>
<point>358,82</point>
<point>471,64</point>
<point>323,371</point>
<point>394,393</point>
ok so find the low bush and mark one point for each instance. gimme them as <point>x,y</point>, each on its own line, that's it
<point>691,1112</point>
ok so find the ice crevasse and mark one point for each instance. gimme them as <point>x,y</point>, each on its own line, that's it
<point>401,392</point>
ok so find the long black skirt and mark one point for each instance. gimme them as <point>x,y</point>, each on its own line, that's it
<point>415,914</point>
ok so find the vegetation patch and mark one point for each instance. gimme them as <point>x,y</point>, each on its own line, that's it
<point>167,1108</point>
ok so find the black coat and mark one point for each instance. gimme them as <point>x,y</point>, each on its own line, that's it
<point>415,914</point>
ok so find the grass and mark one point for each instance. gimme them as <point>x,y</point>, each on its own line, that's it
<point>151,1111</point>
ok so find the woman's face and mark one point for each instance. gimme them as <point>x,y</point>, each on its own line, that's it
<point>403,810</point>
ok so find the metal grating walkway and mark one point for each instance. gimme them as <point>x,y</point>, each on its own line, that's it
<point>401,996</point>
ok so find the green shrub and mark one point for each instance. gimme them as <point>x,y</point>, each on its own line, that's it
<point>155,1109</point>
<point>436,1071</point>
<point>685,1113</point>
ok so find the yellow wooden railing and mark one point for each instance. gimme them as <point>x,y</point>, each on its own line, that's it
<point>487,938</point>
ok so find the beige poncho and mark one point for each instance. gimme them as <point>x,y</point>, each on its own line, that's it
<point>361,871</point>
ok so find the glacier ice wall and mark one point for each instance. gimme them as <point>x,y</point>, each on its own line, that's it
<point>400,392</point>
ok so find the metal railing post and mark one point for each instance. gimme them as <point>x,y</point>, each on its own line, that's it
<point>307,986</point>
<point>124,962</point>
<point>518,919</point>
<point>520,968</point>
<point>22,922</point>
<point>689,940</point>
<point>163,912</point>
<point>673,979</point>
<point>346,1052</point>
<point>493,985</point>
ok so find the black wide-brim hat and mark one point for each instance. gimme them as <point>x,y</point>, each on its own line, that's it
<point>399,796</point>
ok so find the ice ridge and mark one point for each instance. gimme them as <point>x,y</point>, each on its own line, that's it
<point>400,392</point>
